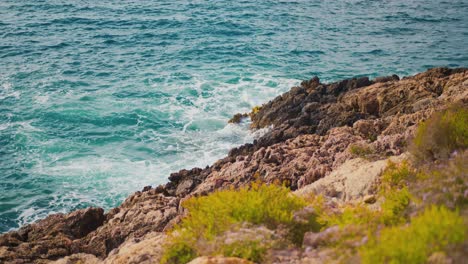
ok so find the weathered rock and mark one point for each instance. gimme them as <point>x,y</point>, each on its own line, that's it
<point>307,146</point>
<point>80,258</point>
<point>345,102</point>
<point>141,213</point>
<point>352,181</point>
<point>219,260</point>
<point>369,199</point>
<point>387,79</point>
<point>314,240</point>
<point>147,249</point>
<point>50,238</point>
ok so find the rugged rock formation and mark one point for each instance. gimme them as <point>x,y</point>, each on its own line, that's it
<point>50,238</point>
<point>353,181</point>
<point>317,129</point>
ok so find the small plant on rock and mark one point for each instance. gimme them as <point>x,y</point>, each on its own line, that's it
<point>441,135</point>
<point>361,151</point>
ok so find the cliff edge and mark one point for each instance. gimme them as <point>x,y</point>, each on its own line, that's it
<point>333,140</point>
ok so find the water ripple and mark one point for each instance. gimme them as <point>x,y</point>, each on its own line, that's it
<point>100,98</point>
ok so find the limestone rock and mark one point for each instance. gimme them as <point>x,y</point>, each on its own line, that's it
<point>219,260</point>
<point>147,249</point>
<point>79,258</point>
<point>352,181</point>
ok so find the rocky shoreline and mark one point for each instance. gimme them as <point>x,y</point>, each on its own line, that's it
<point>319,132</point>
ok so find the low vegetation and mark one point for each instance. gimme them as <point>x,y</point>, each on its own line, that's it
<point>432,231</point>
<point>361,151</point>
<point>394,197</point>
<point>441,135</point>
<point>420,209</point>
<point>433,191</point>
<point>209,217</point>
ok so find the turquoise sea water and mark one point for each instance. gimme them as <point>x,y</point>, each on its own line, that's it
<point>101,98</point>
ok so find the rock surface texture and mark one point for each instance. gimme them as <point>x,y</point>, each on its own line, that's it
<point>319,132</point>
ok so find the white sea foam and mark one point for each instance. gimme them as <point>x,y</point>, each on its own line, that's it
<point>7,86</point>
<point>15,94</point>
<point>113,171</point>
<point>41,99</point>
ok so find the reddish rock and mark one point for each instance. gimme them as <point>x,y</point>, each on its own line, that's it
<point>313,126</point>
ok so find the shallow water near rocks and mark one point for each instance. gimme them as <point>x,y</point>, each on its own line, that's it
<point>100,99</point>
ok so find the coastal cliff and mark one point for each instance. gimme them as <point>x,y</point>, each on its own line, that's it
<point>329,140</point>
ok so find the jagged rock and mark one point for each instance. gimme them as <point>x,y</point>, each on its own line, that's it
<point>369,199</point>
<point>147,249</point>
<point>79,258</point>
<point>382,79</point>
<point>307,146</point>
<point>50,238</point>
<point>141,213</point>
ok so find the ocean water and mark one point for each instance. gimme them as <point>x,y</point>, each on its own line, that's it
<point>101,98</point>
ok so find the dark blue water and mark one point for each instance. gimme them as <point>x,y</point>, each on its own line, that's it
<point>100,98</point>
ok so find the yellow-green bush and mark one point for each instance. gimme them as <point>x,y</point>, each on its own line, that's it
<point>394,206</point>
<point>210,216</point>
<point>256,109</point>
<point>351,215</point>
<point>269,205</point>
<point>433,230</point>
<point>396,176</point>
<point>251,250</point>
<point>394,194</point>
<point>440,135</point>
<point>179,252</point>
<point>359,220</point>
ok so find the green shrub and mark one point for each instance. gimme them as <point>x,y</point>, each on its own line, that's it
<point>254,112</point>
<point>433,230</point>
<point>179,252</point>
<point>256,109</point>
<point>250,250</point>
<point>351,215</point>
<point>394,206</point>
<point>396,176</point>
<point>392,211</point>
<point>210,216</point>
<point>394,191</point>
<point>361,150</point>
<point>440,135</point>
<point>269,205</point>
